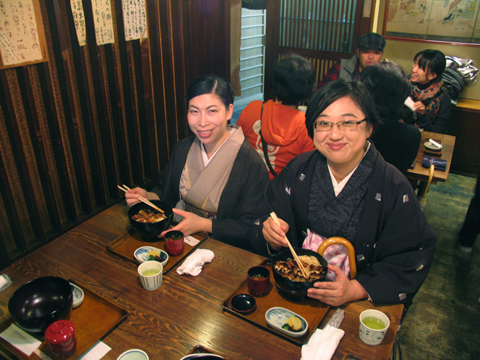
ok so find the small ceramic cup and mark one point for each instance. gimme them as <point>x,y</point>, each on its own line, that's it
<point>373,326</point>
<point>258,280</point>
<point>174,242</point>
<point>150,273</point>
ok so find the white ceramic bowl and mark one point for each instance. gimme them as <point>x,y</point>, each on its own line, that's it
<point>141,255</point>
<point>431,146</point>
<point>133,354</point>
<point>277,317</point>
<point>78,295</point>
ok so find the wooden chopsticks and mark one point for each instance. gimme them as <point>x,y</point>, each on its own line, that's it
<point>142,199</point>
<point>300,265</point>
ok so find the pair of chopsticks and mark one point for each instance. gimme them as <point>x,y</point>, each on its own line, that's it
<point>142,199</point>
<point>300,265</point>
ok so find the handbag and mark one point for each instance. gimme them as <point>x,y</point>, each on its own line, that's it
<point>264,146</point>
<point>438,163</point>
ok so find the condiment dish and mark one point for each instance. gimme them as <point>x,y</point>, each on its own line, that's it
<point>133,354</point>
<point>244,303</point>
<point>78,295</point>
<point>277,317</point>
<point>143,254</point>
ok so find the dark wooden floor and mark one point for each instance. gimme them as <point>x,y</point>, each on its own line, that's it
<point>443,320</point>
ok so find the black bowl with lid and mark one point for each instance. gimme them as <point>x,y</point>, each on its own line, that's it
<point>151,231</point>
<point>296,290</point>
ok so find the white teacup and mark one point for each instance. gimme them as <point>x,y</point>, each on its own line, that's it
<point>150,273</point>
<point>373,326</point>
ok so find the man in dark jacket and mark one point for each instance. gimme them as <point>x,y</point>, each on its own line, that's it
<point>369,52</point>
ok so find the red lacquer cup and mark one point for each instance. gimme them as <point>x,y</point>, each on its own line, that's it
<point>174,242</point>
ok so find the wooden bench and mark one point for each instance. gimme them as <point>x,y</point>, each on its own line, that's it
<point>464,124</point>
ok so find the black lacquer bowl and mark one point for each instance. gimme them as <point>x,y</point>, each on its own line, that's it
<point>40,302</point>
<point>296,290</point>
<point>150,231</point>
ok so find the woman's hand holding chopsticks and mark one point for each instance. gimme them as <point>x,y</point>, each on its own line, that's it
<point>274,234</point>
<point>131,195</point>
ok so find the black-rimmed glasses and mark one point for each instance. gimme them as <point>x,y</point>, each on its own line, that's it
<point>346,125</point>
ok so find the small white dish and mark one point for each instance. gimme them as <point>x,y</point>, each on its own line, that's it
<point>431,146</point>
<point>133,354</point>
<point>277,317</point>
<point>141,255</point>
<point>200,356</point>
<point>78,295</point>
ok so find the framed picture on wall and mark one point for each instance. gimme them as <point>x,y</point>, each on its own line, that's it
<point>433,20</point>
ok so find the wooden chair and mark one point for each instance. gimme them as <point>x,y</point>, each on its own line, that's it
<point>350,249</point>
<point>423,199</point>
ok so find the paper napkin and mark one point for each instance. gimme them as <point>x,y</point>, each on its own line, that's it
<point>322,344</point>
<point>194,263</point>
<point>23,341</point>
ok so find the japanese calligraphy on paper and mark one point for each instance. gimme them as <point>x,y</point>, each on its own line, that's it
<point>79,21</point>
<point>134,19</point>
<point>102,16</point>
<point>19,38</point>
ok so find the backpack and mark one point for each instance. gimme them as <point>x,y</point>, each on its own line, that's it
<point>454,83</point>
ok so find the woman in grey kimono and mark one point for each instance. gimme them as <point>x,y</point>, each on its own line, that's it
<point>345,188</point>
<point>214,178</point>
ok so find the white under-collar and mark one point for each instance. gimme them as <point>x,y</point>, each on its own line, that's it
<point>338,186</point>
<point>206,160</point>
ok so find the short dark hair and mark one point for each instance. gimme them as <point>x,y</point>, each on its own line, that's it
<point>212,84</point>
<point>293,80</point>
<point>389,86</point>
<point>336,90</point>
<point>431,61</point>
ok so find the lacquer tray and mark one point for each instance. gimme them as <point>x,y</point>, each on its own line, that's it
<point>311,310</point>
<point>125,245</point>
<point>94,319</point>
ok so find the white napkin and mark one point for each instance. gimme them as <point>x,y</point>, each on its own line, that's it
<point>23,341</point>
<point>322,344</point>
<point>194,263</point>
<point>409,102</point>
<point>3,281</point>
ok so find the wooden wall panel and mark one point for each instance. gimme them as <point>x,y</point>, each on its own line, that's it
<point>92,117</point>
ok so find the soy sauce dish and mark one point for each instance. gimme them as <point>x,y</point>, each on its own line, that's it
<point>280,319</point>
<point>244,303</point>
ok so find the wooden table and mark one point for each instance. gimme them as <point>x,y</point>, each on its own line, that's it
<point>186,311</point>
<point>420,173</point>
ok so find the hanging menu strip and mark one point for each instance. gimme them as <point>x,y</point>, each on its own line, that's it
<point>19,38</point>
<point>79,20</point>
<point>134,19</point>
<point>102,16</point>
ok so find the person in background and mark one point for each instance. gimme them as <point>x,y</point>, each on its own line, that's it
<point>279,121</point>
<point>396,141</point>
<point>214,178</point>
<point>471,225</point>
<point>432,103</point>
<point>345,188</point>
<point>369,52</point>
